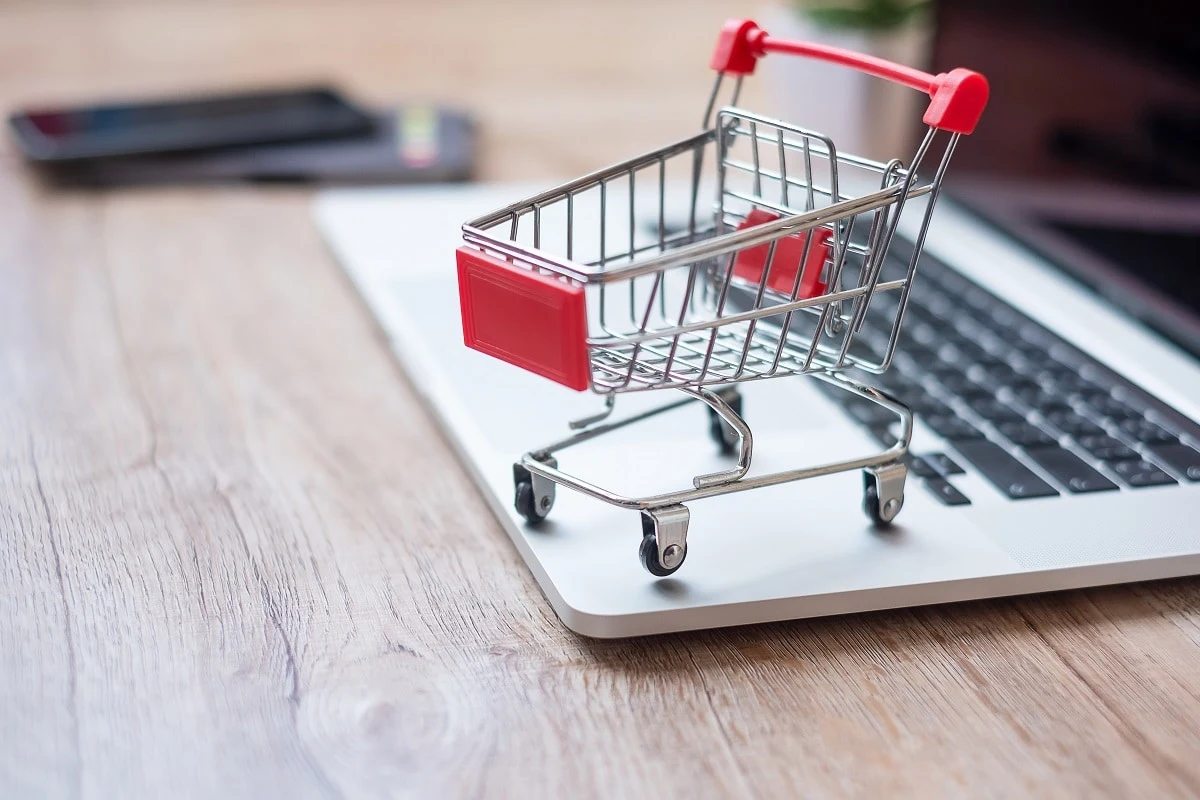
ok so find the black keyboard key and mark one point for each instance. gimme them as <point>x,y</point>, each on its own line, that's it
<point>1106,448</point>
<point>1031,350</point>
<point>969,327</point>
<point>1024,434</point>
<point>996,371</point>
<point>962,386</point>
<point>1141,473</point>
<point>996,384</point>
<point>1154,477</point>
<point>1108,406</point>
<point>884,436</point>
<point>997,347</point>
<point>995,411</point>
<point>1039,399</point>
<point>1070,470</point>
<point>943,370</point>
<point>1055,370</point>
<point>916,316</point>
<point>1179,457</point>
<point>1060,379</point>
<point>1021,365</point>
<point>920,467</point>
<point>1068,382</point>
<point>947,333</point>
<point>1007,474</point>
<point>1006,317</point>
<point>870,414</point>
<point>1086,396</point>
<point>996,367</point>
<point>953,428</point>
<point>1033,359</point>
<point>920,354</point>
<point>944,464</point>
<point>1146,432</point>
<point>896,383</point>
<point>1071,423</point>
<point>963,351</point>
<point>937,304</point>
<point>1035,334</point>
<point>927,406</point>
<point>921,333</point>
<point>943,490</point>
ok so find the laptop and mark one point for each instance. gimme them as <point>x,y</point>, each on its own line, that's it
<point>1050,352</point>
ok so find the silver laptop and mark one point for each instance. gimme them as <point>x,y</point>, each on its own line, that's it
<point>1051,361</point>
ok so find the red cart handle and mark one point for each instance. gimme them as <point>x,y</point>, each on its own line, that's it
<point>957,97</point>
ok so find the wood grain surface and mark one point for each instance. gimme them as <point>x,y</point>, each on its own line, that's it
<point>237,559</point>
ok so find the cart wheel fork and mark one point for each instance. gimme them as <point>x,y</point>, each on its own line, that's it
<point>664,539</point>
<point>883,492</point>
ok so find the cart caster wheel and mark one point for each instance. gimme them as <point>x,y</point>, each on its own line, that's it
<point>722,433</point>
<point>883,513</point>
<point>648,553</point>
<point>871,506</point>
<point>671,524</point>
<point>527,504</point>
<point>534,495</point>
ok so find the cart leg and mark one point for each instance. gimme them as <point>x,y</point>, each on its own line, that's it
<point>717,404</point>
<point>534,494</point>
<point>664,539</point>
<point>883,492</point>
<point>724,434</point>
<point>610,403</point>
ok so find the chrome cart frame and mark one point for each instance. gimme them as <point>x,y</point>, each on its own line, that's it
<point>596,285</point>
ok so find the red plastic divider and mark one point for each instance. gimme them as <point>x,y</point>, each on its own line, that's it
<point>530,320</point>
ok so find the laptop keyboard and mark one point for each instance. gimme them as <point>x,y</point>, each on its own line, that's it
<point>1031,414</point>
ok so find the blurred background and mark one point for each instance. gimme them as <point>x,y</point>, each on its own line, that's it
<point>1082,98</point>
<point>542,109</point>
<point>556,87</point>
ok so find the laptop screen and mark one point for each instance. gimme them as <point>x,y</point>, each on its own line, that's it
<point>1090,147</point>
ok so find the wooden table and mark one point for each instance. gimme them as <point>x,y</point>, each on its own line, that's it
<point>237,559</point>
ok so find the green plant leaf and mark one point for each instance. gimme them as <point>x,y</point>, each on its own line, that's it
<point>872,15</point>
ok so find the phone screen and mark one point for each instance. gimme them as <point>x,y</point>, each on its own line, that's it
<point>190,124</point>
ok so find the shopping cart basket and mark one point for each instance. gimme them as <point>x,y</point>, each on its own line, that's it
<point>596,285</point>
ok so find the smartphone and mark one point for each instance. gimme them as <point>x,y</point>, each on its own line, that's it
<point>412,144</point>
<point>189,124</point>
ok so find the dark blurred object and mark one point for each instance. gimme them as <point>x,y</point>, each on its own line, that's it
<point>1081,89</point>
<point>415,144</point>
<point>191,124</point>
<point>1163,151</point>
<point>1089,152</point>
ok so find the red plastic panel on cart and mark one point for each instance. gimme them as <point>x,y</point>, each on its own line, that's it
<point>789,250</point>
<point>528,319</point>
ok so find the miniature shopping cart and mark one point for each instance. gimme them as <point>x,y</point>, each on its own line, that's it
<point>751,250</point>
